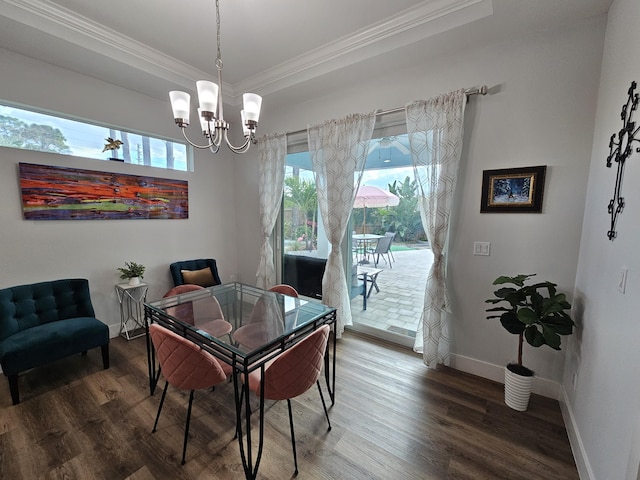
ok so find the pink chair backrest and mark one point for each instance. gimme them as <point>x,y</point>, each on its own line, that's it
<point>295,370</point>
<point>185,311</point>
<point>184,364</point>
<point>285,290</point>
<point>180,289</point>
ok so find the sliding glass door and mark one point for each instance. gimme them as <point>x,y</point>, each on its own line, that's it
<point>395,276</point>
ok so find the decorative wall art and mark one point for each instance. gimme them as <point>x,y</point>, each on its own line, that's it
<point>619,151</point>
<point>513,190</point>
<point>60,193</point>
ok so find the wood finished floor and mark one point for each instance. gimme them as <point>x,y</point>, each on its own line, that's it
<point>393,419</point>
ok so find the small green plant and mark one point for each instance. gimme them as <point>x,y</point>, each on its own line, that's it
<point>535,312</point>
<point>131,270</point>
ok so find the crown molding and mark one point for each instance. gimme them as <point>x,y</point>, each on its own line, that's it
<point>414,24</point>
<point>425,19</point>
<point>67,25</point>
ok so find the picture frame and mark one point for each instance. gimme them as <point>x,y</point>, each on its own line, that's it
<point>513,190</point>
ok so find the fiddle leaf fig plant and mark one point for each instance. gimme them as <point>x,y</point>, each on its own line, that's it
<point>535,312</point>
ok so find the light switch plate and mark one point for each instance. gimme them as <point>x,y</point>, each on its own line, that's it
<point>481,248</point>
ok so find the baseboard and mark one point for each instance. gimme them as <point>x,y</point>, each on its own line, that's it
<point>114,330</point>
<point>577,447</point>
<point>541,386</point>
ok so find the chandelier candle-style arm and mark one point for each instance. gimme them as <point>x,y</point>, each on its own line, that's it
<point>211,113</point>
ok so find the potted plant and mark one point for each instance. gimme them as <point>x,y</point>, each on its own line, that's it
<point>534,312</point>
<point>132,271</point>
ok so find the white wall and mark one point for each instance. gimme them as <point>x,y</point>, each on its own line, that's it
<point>541,112</point>
<point>93,249</point>
<point>603,407</point>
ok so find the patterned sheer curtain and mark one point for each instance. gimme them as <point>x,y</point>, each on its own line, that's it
<point>338,151</point>
<point>272,152</point>
<point>435,129</point>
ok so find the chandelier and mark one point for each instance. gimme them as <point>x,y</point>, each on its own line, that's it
<point>214,127</point>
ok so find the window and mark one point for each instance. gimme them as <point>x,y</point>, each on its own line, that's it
<point>31,130</point>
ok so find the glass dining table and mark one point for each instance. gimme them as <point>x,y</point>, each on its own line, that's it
<point>277,321</point>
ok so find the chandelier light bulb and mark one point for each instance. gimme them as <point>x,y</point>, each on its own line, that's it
<point>180,104</point>
<point>207,96</point>
<point>252,104</point>
<point>203,123</point>
<point>246,131</point>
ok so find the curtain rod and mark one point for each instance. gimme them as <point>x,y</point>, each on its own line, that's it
<point>482,90</point>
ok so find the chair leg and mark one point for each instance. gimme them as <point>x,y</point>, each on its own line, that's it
<point>164,393</point>
<point>324,405</point>
<point>105,355</point>
<point>13,388</point>
<point>186,428</point>
<point>293,438</point>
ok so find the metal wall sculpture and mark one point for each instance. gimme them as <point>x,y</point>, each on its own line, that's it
<point>619,151</point>
<point>60,193</point>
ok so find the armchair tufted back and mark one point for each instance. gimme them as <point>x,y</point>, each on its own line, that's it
<point>27,306</point>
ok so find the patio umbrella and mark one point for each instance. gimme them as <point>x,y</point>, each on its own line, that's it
<point>373,197</point>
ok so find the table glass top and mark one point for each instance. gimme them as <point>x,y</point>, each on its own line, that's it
<point>257,316</point>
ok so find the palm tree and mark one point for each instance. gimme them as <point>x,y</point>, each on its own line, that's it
<point>301,196</point>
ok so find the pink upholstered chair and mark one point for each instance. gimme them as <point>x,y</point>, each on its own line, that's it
<point>292,373</point>
<point>285,290</point>
<point>185,366</point>
<point>213,323</point>
<point>260,329</point>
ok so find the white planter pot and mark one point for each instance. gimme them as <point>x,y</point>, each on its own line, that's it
<point>133,281</point>
<point>517,390</point>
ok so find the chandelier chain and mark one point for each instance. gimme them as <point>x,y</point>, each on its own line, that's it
<point>219,55</point>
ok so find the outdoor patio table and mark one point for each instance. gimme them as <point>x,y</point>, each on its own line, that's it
<point>370,276</point>
<point>284,320</point>
<point>364,240</point>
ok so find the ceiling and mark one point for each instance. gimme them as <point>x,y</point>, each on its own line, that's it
<point>268,46</point>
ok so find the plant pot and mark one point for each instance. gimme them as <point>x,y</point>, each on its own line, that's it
<point>133,281</point>
<point>517,389</point>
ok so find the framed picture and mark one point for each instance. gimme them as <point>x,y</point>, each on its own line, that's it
<point>513,190</point>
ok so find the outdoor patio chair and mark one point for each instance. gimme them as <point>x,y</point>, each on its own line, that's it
<point>393,236</point>
<point>383,247</point>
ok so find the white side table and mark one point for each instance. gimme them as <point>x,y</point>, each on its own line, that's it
<point>131,299</point>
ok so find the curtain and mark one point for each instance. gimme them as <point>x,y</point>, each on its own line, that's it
<point>435,129</point>
<point>338,151</point>
<point>272,152</point>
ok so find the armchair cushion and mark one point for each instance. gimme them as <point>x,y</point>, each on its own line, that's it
<point>203,277</point>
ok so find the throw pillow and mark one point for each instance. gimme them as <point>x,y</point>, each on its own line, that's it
<point>203,277</point>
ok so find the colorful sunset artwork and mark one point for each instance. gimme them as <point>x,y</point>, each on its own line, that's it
<point>60,193</point>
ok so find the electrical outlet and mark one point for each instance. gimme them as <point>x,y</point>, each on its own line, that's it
<point>574,380</point>
<point>232,278</point>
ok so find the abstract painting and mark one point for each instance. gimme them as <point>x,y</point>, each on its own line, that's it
<point>61,193</point>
